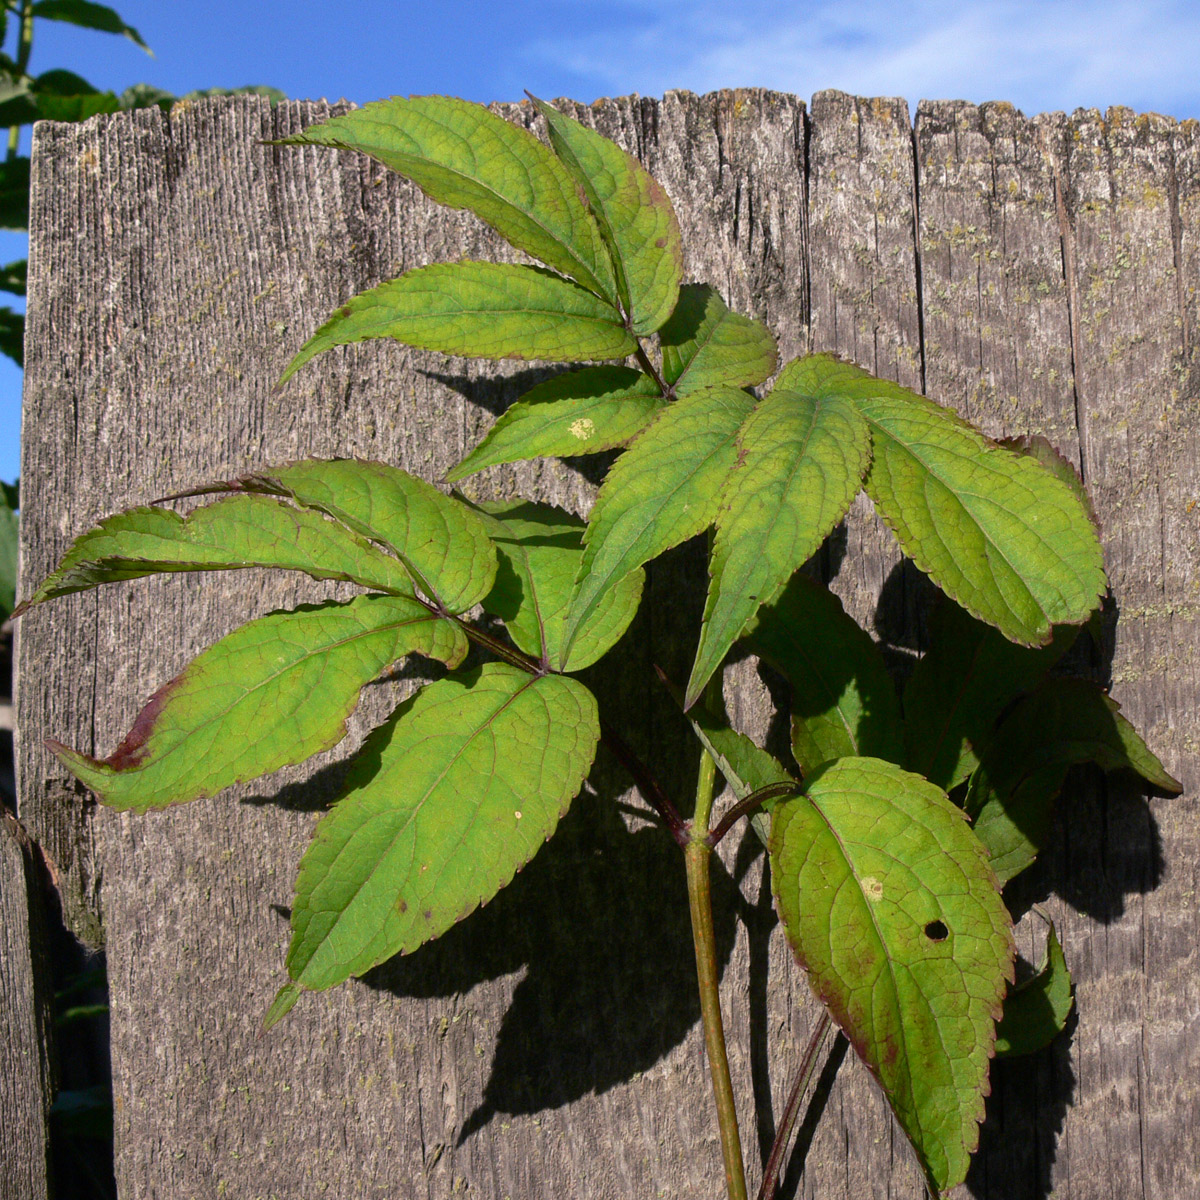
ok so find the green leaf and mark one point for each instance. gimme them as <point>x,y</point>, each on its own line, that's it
<point>479,310</point>
<point>843,699</point>
<point>241,531</point>
<point>14,194</point>
<point>958,690</point>
<point>663,490</point>
<point>994,530</point>
<point>704,344</point>
<point>73,109</point>
<point>801,459</point>
<point>442,542</point>
<point>89,16</point>
<point>9,541</point>
<point>634,214</point>
<point>890,906</point>
<point>1036,1011</point>
<point>1012,793</point>
<point>463,156</point>
<point>539,548</point>
<point>12,335</point>
<point>274,692</point>
<point>273,94</point>
<point>13,277</point>
<point>1040,448</point>
<point>145,95</point>
<point>448,801</point>
<point>581,412</point>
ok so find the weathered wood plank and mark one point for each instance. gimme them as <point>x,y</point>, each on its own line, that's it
<point>176,265</point>
<point>26,1064</point>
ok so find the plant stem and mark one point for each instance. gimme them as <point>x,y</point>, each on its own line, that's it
<point>697,854</point>
<point>24,48</point>
<point>650,788</point>
<point>651,370</point>
<point>749,805</point>
<point>787,1122</point>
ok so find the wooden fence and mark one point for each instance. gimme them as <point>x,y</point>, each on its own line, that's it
<point>1036,274</point>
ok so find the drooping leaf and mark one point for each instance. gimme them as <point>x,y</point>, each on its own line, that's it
<point>994,530</point>
<point>540,548</point>
<point>463,156</point>
<point>705,344</point>
<point>957,691</point>
<point>843,700</point>
<point>478,310</point>
<point>241,531</point>
<point>634,213</point>
<point>581,412</point>
<point>442,542</point>
<point>801,460</point>
<point>1062,723</point>
<point>274,692</point>
<point>663,490</point>
<point>448,801</point>
<point>88,15</point>
<point>890,906</point>
<point>1036,1011</point>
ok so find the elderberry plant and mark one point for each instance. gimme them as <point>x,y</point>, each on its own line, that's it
<point>887,887</point>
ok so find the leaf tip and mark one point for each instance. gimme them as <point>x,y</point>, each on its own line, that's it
<point>284,1002</point>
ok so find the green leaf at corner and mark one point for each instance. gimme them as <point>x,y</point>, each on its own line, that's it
<point>448,801</point>
<point>1036,1011</point>
<point>843,700</point>
<point>704,344</point>
<point>272,693</point>
<point>478,310</point>
<point>889,904</point>
<point>663,490</point>
<point>957,691</point>
<point>539,548</point>
<point>580,412</point>
<point>441,541</point>
<point>634,214</point>
<point>801,458</point>
<point>463,156</point>
<point>996,531</point>
<point>1063,723</point>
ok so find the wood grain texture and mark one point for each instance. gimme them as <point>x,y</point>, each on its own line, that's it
<point>26,1066</point>
<point>1037,275</point>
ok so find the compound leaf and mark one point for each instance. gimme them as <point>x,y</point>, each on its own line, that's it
<point>463,156</point>
<point>274,692</point>
<point>890,906</point>
<point>663,490</point>
<point>241,531</point>
<point>634,214</point>
<point>957,691</point>
<point>442,542</point>
<point>479,310</point>
<point>801,459</point>
<point>448,800</point>
<point>581,412</point>
<point>1062,723</point>
<point>1036,1011</point>
<point>705,344</point>
<point>843,700</point>
<point>996,531</point>
<point>539,548</point>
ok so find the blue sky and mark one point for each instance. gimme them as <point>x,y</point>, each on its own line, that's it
<point>1051,54</point>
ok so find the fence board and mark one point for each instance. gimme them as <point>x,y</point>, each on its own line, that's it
<point>175,266</point>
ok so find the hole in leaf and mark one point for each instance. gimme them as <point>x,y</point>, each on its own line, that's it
<point>936,931</point>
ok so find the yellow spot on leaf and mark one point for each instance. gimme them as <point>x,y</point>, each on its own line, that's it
<point>583,428</point>
<point>872,889</point>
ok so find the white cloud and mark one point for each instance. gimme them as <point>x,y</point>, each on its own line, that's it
<point>1054,54</point>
